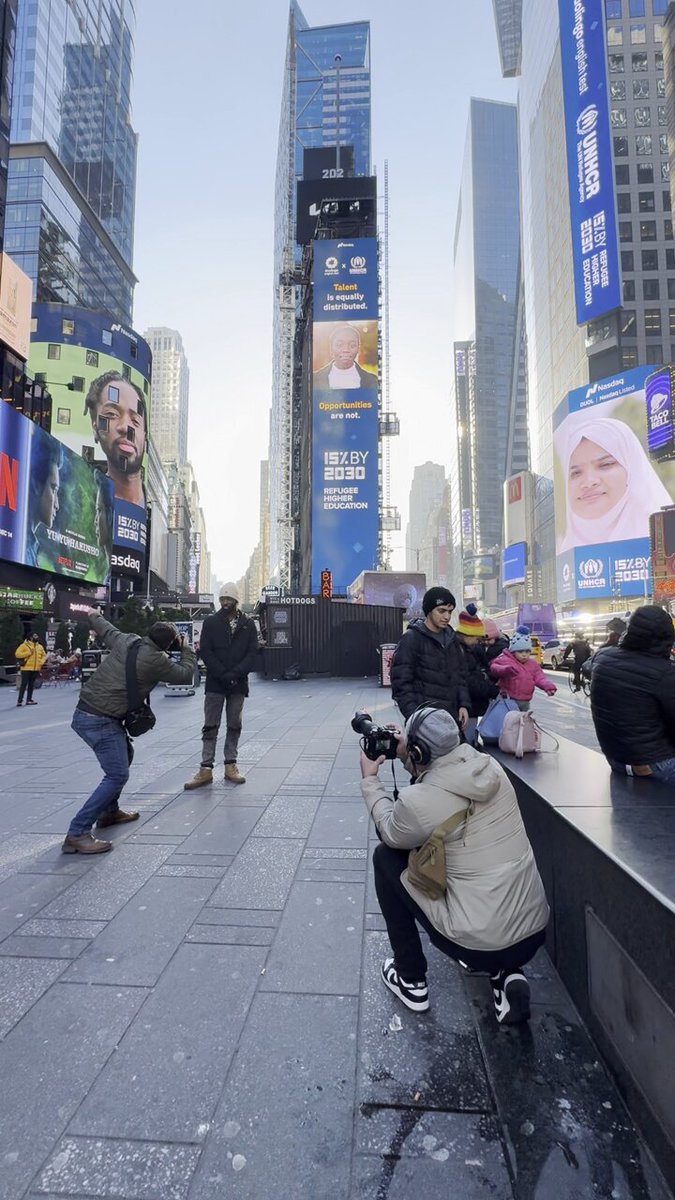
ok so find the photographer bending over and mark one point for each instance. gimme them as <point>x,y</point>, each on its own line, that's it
<point>493,914</point>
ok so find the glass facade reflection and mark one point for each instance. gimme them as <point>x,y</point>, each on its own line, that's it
<point>7,45</point>
<point>72,171</point>
<point>308,120</point>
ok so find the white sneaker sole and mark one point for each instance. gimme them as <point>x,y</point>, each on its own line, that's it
<point>413,1005</point>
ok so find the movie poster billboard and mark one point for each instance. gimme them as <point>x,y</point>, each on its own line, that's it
<point>606,489</point>
<point>345,417</point>
<point>56,511</point>
<point>590,169</point>
<point>98,374</point>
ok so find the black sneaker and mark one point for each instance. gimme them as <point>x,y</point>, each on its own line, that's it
<point>511,995</point>
<point>414,995</point>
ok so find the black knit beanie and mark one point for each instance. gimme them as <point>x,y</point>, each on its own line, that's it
<point>435,596</point>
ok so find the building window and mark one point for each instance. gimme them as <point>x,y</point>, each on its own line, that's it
<point>620,147</point>
<point>647,202</point>
<point>625,231</point>
<point>63,416</point>
<point>658,59</point>
<point>650,260</point>
<point>671,321</point>
<point>670,260</point>
<point>106,337</point>
<point>661,89</point>
<point>658,33</point>
<point>627,263</point>
<point>650,289</point>
<point>663,144</point>
<point>640,61</point>
<point>653,322</point>
<point>53,350</point>
<point>628,323</point>
<point>667,202</point>
<point>641,89</point>
<point>643,143</point>
<point>618,118</point>
<point>638,35</point>
<point>617,89</point>
<point>647,231</point>
<point>623,202</point>
<point>615,35</point>
<point>126,371</point>
<point>645,173</point>
<point>629,357</point>
<point>671,287</point>
<point>68,328</point>
<point>662,115</point>
<point>91,358</point>
<point>643,117</point>
<point>628,290</point>
<point>615,61</point>
<point>659,7</point>
<point>665,172</point>
<point>622,173</point>
<point>654,353</point>
<point>77,383</point>
<point>636,8</point>
<point>133,349</point>
<point>613,10</point>
<point>668,229</point>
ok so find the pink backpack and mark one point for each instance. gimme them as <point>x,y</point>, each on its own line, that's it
<point>520,734</point>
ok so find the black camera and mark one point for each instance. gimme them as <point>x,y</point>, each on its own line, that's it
<point>375,739</point>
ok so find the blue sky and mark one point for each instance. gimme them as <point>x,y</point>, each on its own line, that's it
<point>206,107</point>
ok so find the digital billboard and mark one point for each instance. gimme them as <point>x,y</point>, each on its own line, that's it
<point>606,489</point>
<point>662,530</point>
<point>98,374</point>
<point>345,414</point>
<point>331,188</point>
<point>16,298</point>
<point>590,170</point>
<point>514,560</point>
<point>56,511</point>
<point>398,589</point>
<point>659,400</point>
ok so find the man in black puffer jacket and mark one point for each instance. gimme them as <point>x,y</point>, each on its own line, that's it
<point>633,697</point>
<point>428,665</point>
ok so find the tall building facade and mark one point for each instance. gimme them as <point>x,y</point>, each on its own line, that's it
<point>170,393</point>
<point>72,169</point>
<point>8,11</point>
<point>426,493</point>
<point>325,100</point>
<point>490,439</point>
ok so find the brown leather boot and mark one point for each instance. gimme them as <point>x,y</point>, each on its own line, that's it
<point>232,774</point>
<point>204,775</point>
<point>84,844</point>
<point>119,817</point>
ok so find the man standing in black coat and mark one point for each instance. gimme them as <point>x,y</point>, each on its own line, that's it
<point>428,665</point>
<point>228,646</point>
<point>633,697</point>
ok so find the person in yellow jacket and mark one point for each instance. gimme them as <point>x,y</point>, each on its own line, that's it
<point>31,654</point>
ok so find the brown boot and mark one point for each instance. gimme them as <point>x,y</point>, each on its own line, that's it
<point>84,844</point>
<point>232,774</point>
<point>119,817</point>
<point>204,775</point>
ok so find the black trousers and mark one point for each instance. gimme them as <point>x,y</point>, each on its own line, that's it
<point>27,681</point>
<point>402,915</point>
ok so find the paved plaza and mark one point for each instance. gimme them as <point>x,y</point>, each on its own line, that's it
<point>198,1015</point>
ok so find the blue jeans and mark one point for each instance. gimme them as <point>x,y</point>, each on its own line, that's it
<point>665,771</point>
<point>109,743</point>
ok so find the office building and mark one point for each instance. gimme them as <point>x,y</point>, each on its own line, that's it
<point>426,492</point>
<point>8,11</point>
<point>72,168</point>
<point>170,394</point>
<point>323,65</point>
<point>489,440</point>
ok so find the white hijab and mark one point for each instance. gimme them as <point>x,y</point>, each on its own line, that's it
<point>644,494</point>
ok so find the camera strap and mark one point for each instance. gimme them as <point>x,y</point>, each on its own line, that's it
<point>393,774</point>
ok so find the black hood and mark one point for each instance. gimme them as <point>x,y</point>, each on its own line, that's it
<point>650,631</point>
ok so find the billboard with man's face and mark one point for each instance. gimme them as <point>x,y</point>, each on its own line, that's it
<point>99,378</point>
<point>606,489</point>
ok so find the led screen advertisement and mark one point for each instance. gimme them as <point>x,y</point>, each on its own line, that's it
<point>345,419</point>
<point>606,489</point>
<point>590,171</point>
<point>398,589</point>
<point>56,511</point>
<point>514,559</point>
<point>98,376</point>
<point>659,400</point>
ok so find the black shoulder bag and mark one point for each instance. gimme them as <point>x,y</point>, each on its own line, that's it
<point>139,717</point>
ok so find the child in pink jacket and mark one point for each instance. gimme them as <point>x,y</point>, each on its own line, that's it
<point>518,674</point>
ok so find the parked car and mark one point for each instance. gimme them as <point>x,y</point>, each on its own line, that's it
<point>553,655</point>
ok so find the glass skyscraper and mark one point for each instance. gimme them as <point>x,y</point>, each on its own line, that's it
<point>72,171</point>
<point>309,120</point>
<point>490,439</point>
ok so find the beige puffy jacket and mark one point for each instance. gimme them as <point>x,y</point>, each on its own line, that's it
<point>494,896</point>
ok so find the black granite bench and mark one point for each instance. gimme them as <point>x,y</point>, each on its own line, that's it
<point>605,845</point>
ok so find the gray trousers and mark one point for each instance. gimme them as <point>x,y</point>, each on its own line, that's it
<point>213,711</point>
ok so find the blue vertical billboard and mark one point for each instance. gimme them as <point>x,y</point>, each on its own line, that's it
<point>660,416</point>
<point>345,417</point>
<point>590,170</point>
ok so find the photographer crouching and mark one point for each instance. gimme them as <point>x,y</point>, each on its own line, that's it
<point>112,708</point>
<point>454,858</point>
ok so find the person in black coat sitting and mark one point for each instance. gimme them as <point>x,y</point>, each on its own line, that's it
<point>428,664</point>
<point>633,697</point>
<point>482,689</point>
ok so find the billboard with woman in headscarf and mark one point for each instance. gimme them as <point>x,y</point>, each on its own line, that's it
<point>606,489</point>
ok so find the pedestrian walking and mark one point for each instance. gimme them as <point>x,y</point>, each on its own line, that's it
<point>31,654</point>
<point>428,665</point>
<point>228,646</point>
<point>482,688</point>
<point>518,673</point>
<point>98,718</point>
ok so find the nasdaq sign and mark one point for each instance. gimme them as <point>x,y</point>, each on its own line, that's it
<point>597,279</point>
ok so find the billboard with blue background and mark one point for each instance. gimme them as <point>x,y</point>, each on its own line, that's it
<point>606,489</point>
<point>345,411</point>
<point>590,169</point>
<point>514,561</point>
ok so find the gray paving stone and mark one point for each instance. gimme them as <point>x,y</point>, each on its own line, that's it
<point>318,853</point>
<point>258,918</point>
<point>281,755</point>
<point>261,875</point>
<point>330,875</point>
<point>134,1170</point>
<point>205,872</point>
<point>22,982</point>
<point>260,781</point>
<point>70,929</point>
<point>18,851</point>
<point>309,772</point>
<point>288,816</point>
<point>76,1030</point>
<point>303,1048</point>
<point>231,935</point>
<point>15,946</point>
<point>179,859</point>
<point>112,881</point>
<point>138,943</point>
<point>434,1055</point>
<point>339,826</point>
<point>22,896</point>
<point>164,1081</point>
<point>345,781</point>
<point>223,831</point>
<point>318,946</point>
<point>186,812</point>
